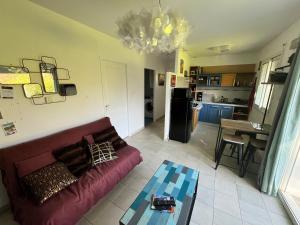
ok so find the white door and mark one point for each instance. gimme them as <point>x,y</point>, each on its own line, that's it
<point>114,84</point>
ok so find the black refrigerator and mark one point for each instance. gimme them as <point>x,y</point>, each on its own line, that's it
<point>181,115</point>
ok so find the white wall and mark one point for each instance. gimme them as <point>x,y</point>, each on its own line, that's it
<point>32,31</point>
<point>229,59</point>
<point>182,54</point>
<point>273,48</point>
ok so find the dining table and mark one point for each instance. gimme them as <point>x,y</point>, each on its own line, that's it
<point>242,126</point>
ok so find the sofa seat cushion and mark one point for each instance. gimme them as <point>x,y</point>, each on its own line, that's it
<point>68,206</point>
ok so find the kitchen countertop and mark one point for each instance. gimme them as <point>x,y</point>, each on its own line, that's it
<point>224,104</point>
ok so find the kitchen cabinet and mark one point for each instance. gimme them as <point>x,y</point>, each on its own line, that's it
<point>226,112</point>
<point>228,80</point>
<point>203,113</point>
<point>214,113</point>
<point>211,113</point>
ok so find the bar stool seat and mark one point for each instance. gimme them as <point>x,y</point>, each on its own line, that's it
<point>258,144</point>
<point>237,142</point>
<point>233,138</point>
<point>253,145</point>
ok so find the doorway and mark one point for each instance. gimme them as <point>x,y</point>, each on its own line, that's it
<point>148,96</point>
<point>114,87</point>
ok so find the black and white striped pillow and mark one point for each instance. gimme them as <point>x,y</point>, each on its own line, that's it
<point>102,152</point>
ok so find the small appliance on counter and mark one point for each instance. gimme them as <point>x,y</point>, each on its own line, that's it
<point>181,115</point>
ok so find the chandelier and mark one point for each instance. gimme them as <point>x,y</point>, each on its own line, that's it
<point>156,31</point>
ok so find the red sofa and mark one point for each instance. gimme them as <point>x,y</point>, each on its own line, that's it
<point>69,205</point>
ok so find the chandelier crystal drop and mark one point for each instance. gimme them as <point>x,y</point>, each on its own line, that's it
<point>156,31</point>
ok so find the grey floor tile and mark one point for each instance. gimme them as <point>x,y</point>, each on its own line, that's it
<point>274,205</point>
<point>84,221</point>
<point>227,204</point>
<point>250,196</point>
<point>225,186</point>
<point>206,195</point>
<point>202,214</point>
<point>280,220</point>
<point>105,213</point>
<point>125,198</point>
<point>222,218</point>
<point>254,215</point>
<point>206,181</point>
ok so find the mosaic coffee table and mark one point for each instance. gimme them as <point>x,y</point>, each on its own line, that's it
<point>172,179</point>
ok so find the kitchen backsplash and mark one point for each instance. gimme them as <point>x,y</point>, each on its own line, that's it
<point>215,95</point>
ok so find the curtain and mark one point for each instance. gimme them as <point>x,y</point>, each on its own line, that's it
<point>286,128</point>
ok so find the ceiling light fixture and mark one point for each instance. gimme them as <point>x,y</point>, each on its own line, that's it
<point>156,31</point>
<point>220,48</point>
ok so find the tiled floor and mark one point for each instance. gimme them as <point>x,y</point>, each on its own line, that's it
<point>223,197</point>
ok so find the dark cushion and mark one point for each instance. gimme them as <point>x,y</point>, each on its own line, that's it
<point>47,181</point>
<point>75,157</point>
<point>88,139</point>
<point>102,152</point>
<point>29,165</point>
<point>111,135</point>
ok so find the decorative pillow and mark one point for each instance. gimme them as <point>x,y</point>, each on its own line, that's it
<point>27,166</point>
<point>111,135</point>
<point>48,181</point>
<point>102,152</point>
<point>88,139</point>
<point>75,157</point>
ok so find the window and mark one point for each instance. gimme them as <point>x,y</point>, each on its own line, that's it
<point>263,90</point>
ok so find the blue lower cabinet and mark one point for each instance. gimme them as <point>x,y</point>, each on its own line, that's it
<point>214,114</point>
<point>227,112</point>
<point>211,113</point>
<point>203,113</point>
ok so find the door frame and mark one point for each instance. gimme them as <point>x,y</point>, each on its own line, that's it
<point>154,96</point>
<point>126,85</point>
<point>287,200</point>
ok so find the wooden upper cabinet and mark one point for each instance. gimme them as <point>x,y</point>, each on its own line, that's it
<point>228,79</point>
<point>229,69</point>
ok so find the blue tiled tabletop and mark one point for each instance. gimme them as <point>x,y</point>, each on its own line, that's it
<point>170,179</point>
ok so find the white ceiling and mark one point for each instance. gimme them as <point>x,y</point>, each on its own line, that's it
<point>247,25</point>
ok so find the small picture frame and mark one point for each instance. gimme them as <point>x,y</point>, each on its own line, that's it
<point>161,79</point>
<point>9,128</point>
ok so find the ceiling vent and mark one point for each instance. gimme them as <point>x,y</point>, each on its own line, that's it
<point>220,48</point>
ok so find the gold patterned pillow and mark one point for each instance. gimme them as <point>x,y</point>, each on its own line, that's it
<point>102,152</point>
<point>49,180</point>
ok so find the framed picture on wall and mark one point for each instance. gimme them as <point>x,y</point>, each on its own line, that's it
<point>173,80</point>
<point>161,79</point>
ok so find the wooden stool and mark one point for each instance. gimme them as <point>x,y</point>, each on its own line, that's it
<point>253,145</point>
<point>237,142</point>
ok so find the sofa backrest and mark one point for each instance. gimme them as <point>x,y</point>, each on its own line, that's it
<point>9,156</point>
